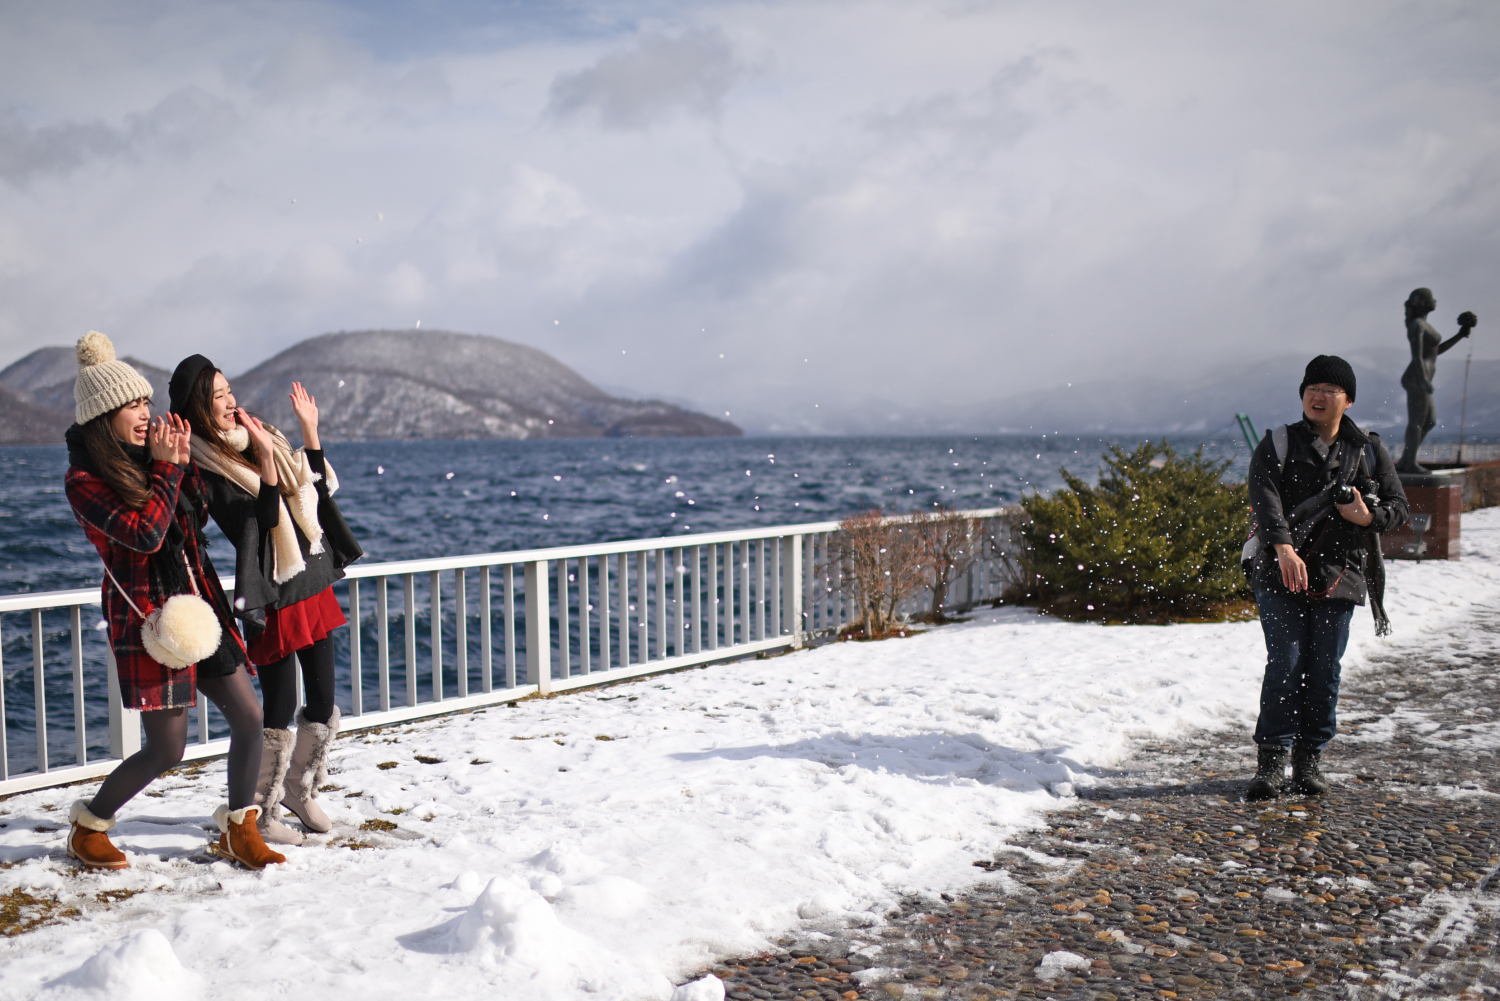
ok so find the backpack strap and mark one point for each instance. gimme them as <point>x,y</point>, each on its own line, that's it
<point>1280,446</point>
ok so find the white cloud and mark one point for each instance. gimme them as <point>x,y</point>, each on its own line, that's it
<point>934,202</point>
<point>656,76</point>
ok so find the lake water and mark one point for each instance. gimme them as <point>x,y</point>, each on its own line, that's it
<point>408,500</point>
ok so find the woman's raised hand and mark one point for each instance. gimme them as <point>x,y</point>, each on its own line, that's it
<point>259,436</point>
<point>163,447</point>
<point>261,439</point>
<point>306,409</point>
<point>170,440</point>
<point>181,435</point>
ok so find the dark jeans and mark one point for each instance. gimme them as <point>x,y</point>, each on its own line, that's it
<point>1305,640</point>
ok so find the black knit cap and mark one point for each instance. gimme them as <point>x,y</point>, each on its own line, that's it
<point>1325,368</point>
<point>186,374</point>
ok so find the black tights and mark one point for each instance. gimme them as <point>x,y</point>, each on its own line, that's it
<point>166,740</point>
<point>278,683</point>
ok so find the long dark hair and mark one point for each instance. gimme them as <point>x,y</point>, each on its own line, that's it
<point>197,410</point>
<point>125,475</point>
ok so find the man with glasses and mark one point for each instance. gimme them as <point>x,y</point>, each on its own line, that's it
<point>1321,490</point>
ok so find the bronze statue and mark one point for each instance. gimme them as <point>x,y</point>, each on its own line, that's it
<point>1426,345</point>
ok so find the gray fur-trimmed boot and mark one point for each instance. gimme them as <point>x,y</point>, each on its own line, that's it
<point>309,770</point>
<point>1270,774</point>
<point>1307,776</point>
<point>270,788</point>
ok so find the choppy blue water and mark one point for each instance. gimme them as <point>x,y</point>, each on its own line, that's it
<point>408,500</point>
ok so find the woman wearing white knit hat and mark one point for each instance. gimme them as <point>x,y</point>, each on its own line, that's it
<point>135,490</point>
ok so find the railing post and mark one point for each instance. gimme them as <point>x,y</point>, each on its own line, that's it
<point>435,593</point>
<point>697,621</point>
<point>716,606</point>
<point>761,559</point>
<point>679,621</point>
<point>808,575</point>
<point>603,613</point>
<point>564,627</point>
<point>508,595</point>
<point>792,588</point>
<point>642,607</point>
<point>383,641</point>
<point>486,634</point>
<point>356,658</point>
<point>661,604</point>
<point>538,627</point>
<point>778,583</point>
<point>409,584</point>
<point>39,689</point>
<point>622,617</point>
<point>461,634</point>
<point>746,547</point>
<point>124,722</point>
<point>80,729</point>
<point>585,660</point>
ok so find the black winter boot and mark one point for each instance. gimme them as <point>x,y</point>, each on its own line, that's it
<point>1270,774</point>
<point>1307,777</point>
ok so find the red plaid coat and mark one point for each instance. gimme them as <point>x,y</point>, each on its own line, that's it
<point>125,538</point>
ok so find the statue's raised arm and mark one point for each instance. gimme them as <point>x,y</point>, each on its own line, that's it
<point>1426,344</point>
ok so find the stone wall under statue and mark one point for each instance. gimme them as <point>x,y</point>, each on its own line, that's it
<point>1440,495</point>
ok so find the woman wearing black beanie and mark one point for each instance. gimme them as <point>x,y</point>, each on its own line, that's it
<point>275,505</point>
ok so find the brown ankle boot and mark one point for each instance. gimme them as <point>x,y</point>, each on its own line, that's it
<point>88,842</point>
<point>241,838</point>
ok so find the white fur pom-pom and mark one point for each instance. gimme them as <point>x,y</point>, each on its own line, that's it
<point>94,349</point>
<point>184,632</point>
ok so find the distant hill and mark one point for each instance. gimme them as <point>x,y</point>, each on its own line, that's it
<point>405,384</point>
<point>38,395</point>
<point>24,423</point>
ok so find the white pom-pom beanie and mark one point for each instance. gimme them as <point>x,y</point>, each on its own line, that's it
<point>103,383</point>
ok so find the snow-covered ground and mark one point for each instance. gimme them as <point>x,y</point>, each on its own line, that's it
<point>605,844</point>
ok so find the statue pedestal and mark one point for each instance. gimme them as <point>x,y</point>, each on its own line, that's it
<point>1439,496</point>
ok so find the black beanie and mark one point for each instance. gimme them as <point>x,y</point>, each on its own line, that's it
<point>1325,368</point>
<point>186,374</point>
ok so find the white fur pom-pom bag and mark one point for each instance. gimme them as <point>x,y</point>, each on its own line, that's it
<point>183,631</point>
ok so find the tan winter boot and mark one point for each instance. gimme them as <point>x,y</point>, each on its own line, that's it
<point>310,770</point>
<point>88,842</point>
<point>275,759</point>
<point>241,838</point>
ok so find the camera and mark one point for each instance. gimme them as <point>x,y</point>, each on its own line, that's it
<point>1344,494</point>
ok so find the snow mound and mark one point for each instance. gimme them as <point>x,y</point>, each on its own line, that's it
<point>515,930</point>
<point>509,919</point>
<point>710,988</point>
<point>140,965</point>
<point>1056,965</point>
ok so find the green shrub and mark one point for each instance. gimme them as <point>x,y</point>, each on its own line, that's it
<point>1157,540</point>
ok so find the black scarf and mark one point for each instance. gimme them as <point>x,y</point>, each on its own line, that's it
<point>169,572</point>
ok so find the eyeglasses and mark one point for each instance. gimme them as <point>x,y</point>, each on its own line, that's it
<point>1321,391</point>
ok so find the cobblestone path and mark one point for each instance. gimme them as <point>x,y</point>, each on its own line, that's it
<point>1162,882</point>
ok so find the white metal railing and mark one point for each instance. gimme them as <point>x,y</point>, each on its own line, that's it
<point>567,617</point>
<point>1448,451</point>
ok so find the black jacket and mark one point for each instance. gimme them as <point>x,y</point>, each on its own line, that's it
<point>247,522</point>
<point>1336,552</point>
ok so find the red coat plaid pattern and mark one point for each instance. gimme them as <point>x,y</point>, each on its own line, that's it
<point>125,539</point>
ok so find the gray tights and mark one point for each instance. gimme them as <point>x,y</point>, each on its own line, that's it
<point>166,740</point>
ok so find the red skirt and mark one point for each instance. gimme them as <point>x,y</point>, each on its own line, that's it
<point>296,627</point>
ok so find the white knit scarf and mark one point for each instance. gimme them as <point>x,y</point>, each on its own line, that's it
<point>291,468</point>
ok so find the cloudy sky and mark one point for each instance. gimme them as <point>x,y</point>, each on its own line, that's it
<point>754,206</point>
